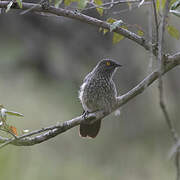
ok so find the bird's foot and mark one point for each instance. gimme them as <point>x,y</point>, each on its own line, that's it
<point>84,115</point>
<point>88,120</point>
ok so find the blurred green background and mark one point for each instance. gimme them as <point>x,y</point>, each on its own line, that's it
<point>43,61</point>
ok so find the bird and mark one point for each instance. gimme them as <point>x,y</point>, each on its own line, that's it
<point>98,92</point>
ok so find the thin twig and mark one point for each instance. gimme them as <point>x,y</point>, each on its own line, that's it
<point>161,69</point>
<point>134,7</point>
<point>150,33</point>
<point>166,115</point>
<point>110,4</point>
<point>30,9</point>
<point>156,21</point>
<point>6,143</point>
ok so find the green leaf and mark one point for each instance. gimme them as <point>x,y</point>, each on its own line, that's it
<point>82,4</point>
<point>12,113</point>
<point>67,2</point>
<point>57,3</point>
<point>173,31</point>
<point>115,24</point>
<point>140,32</point>
<point>9,6</point>
<point>160,3</point>
<point>100,29</point>
<point>117,37</point>
<point>99,3</point>
<point>111,20</point>
<point>105,31</point>
<point>19,3</point>
<point>174,4</point>
<point>163,3</point>
<point>157,5</point>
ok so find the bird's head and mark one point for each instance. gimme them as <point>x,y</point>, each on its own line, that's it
<point>107,67</point>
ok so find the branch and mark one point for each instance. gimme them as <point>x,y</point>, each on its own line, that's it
<point>161,67</point>
<point>83,18</point>
<point>156,21</point>
<point>169,122</point>
<point>52,131</point>
<point>111,4</point>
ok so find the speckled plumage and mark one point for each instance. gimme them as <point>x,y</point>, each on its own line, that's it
<point>98,92</point>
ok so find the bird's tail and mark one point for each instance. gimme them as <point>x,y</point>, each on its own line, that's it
<point>90,130</point>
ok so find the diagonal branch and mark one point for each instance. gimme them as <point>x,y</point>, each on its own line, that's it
<point>83,18</point>
<point>52,131</point>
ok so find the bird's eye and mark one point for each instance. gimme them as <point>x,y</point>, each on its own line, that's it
<point>108,63</point>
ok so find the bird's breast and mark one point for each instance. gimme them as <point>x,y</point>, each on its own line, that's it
<point>97,94</point>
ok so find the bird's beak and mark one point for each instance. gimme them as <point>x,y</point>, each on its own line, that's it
<point>118,65</point>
